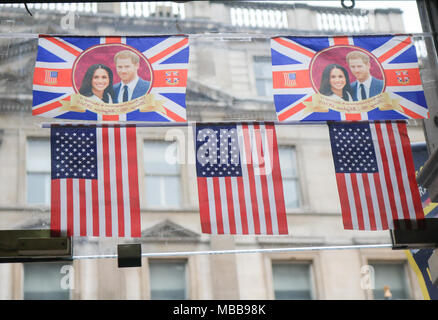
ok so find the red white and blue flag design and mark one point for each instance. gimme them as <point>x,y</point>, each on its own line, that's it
<point>94,189</point>
<point>375,175</point>
<point>239,180</point>
<point>395,55</point>
<point>57,66</point>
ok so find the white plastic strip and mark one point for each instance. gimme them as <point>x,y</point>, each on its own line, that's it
<point>214,36</point>
<point>272,250</point>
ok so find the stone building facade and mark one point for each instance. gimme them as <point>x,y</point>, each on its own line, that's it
<point>229,79</point>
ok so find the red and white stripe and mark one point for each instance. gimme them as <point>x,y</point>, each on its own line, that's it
<point>165,49</point>
<point>375,201</point>
<point>65,51</point>
<point>59,47</point>
<point>392,49</point>
<point>254,202</point>
<point>293,49</point>
<point>339,41</point>
<point>114,117</point>
<point>158,54</point>
<point>108,206</point>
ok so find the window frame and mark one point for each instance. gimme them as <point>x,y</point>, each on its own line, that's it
<point>293,263</point>
<point>46,202</point>
<point>291,142</point>
<point>306,257</point>
<point>187,275</point>
<point>144,175</point>
<point>254,58</point>
<point>370,256</point>
<point>22,183</point>
<point>406,279</point>
<point>71,292</point>
<point>259,48</point>
<point>296,178</point>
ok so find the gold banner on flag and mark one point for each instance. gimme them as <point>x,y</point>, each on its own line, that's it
<point>321,103</point>
<point>80,103</point>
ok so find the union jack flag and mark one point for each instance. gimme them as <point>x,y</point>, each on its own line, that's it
<point>60,55</point>
<point>392,53</point>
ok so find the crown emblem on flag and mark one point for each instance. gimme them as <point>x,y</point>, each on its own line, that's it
<point>172,77</point>
<point>402,76</point>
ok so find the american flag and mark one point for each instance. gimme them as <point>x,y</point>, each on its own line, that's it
<point>290,79</point>
<point>94,189</point>
<point>51,77</point>
<point>239,180</point>
<point>375,174</point>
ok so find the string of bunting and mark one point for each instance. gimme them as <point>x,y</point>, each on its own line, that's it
<point>363,87</point>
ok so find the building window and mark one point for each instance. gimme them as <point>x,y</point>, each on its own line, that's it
<point>258,18</point>
<point>263,75</point>
<point>292,281</point>
<point>38,171</point>
<point>162,9</point>
<point>162,177</point>
<point>341,22</point>
<point>42,281</point>
<point>392,275</point>
<point>60,7</point>
<point>168,280</point>
<point>289,173</point>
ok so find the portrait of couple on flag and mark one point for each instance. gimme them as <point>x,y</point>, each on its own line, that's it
<point>99,82</point>
<point>352,80</point>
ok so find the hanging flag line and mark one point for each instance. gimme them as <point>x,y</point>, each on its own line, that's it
<point>215,36</point>
<point>186,124</point>
<point>169,124</point>
<point>212,252</point>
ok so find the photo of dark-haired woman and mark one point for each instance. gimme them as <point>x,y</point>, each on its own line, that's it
<point>98,84</point>
<point>335,83</point>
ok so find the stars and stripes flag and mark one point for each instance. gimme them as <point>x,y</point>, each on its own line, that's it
<point>51,77</point>
<point>239,180</point>
<point>375,174</point>
<point>419,258</point>
<point>290,79</point>
<point>392,56</point>
<point>94,189</point>
<point>66,55</point>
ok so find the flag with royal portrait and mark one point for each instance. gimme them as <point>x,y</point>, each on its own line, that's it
<point>347,78</point>
<point>111,78</point>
